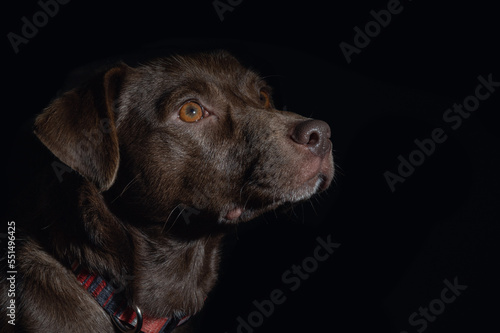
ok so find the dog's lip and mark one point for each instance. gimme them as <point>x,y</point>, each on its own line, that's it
<point>323,175</point>
<point>318,182</point>
<point>324,182</point>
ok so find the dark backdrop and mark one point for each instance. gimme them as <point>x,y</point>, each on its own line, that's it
<point>420,256</point>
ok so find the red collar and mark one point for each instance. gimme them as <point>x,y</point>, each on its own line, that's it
<point>114,303</point>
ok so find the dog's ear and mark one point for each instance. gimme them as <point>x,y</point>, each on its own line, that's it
<point>79,127</point>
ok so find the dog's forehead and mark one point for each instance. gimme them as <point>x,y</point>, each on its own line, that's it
<point>210,69</point>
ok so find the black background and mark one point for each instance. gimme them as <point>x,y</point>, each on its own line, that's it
<point>397,247</point>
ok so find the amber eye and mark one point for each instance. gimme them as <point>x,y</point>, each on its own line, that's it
<point>264,97</point>
<point>191,112</point>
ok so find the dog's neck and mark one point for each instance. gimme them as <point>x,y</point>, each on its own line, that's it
<point>186,271</point>
<point>162,270</point>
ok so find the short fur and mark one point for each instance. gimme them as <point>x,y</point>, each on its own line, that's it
<point>152,196</point>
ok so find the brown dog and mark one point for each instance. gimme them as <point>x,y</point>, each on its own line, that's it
<point>167,157</point>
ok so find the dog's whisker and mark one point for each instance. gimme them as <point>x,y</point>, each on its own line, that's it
<point>292,209</point>
<point>209,237</point>
<point>273,75</point>
<point>313,208</point>
<point>275,194</point>
<point>126,187</point>
<point>168,217</point>
<point>175,220</point>
<point>248,182</point>
<point>47,226</point>
<point>247,199</point>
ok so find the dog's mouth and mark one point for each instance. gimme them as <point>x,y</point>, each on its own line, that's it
<point>241,213</point>
<point>292,181</point>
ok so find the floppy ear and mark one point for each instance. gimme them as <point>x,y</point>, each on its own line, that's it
<point>79,127</point>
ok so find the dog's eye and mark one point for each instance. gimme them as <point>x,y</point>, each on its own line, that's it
<point>264,97</point>
<point>191,112</point>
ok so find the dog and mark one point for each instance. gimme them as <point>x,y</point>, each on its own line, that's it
<point>145,170</point>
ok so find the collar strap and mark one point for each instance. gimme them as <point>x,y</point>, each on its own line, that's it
<point>115,304</point>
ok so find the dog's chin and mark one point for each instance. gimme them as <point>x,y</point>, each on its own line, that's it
<point>238,213</point>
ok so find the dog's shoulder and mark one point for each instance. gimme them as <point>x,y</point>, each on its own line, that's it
<point>41,280</point>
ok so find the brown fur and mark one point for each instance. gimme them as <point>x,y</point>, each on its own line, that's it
<point>152,196</point>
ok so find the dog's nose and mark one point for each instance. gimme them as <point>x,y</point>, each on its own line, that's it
<point>315,134</point>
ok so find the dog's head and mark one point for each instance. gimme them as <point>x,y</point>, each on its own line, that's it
<point>193,132</point>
